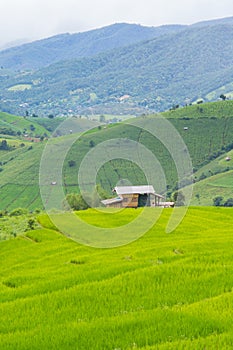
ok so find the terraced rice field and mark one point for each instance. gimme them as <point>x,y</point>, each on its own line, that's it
<point>163,291</point>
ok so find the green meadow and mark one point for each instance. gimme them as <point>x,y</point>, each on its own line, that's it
<point>162,291</point>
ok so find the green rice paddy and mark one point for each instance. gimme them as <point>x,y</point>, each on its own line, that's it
<point>163,291</point>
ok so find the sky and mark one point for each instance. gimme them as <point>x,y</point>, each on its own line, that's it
<point>37,19</point>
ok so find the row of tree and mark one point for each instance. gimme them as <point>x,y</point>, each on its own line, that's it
<point>219,202</point>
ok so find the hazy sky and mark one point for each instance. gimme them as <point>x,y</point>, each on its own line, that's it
<point>34,19</point>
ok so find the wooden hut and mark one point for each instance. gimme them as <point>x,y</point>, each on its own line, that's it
<point>134,197</point>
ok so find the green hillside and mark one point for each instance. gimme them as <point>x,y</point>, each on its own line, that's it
<point>206,190</point>
<point>206,129</point>
<point>216,180</point>
<point>219,109</point>
<point>161,292</point>
<point>11,125</point>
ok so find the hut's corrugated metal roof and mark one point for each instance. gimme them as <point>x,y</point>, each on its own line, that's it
<point>145,189</point>
<point>112,200</point>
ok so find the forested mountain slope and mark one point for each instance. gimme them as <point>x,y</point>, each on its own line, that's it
<point>154,75</point>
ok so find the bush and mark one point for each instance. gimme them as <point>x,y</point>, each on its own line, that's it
<point>31,224</point>
<point>3,213</point>
<point>4,145</point>
<point>71,163</point>
<point>76,202</point>
<point>217,201</point>
<point>202,177</point>
<point>19,211</point>
<point>228,203</point>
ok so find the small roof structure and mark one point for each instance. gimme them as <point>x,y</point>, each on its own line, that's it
<point>112,200</point>
<point>145,189</point>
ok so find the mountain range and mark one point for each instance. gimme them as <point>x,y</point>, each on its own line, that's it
<point>122,68</point>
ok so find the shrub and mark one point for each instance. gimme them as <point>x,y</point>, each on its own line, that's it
<point>4,145</point>
<point>3,213</point>
<point>76,201</point>
<point>71,163</point>
<point>217,201</point>
<point>228,203</point>
<point>202,177</point>
<point>19,211</point>
<point>31,224</point>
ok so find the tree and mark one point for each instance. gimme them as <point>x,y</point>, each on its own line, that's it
<point>50,116</point>
<point>71,163</point>
<point>4,145</point>
<point>92,143</point>
<point>198,197</point>
<point>217,201</point>
<point>76,202</point>
<point>228,203</point>
<point>178,198</point>
<point>31,224</point>
<point>223,97</point>
<point>32,127</point>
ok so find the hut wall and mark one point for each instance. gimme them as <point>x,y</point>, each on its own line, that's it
<point>130,200</point>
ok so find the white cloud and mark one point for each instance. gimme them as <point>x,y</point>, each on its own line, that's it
<point>43,18</point>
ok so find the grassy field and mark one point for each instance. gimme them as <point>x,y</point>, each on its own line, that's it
<point>164,291</point>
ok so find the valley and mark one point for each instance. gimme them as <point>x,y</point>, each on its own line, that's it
<point>86,113</point>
